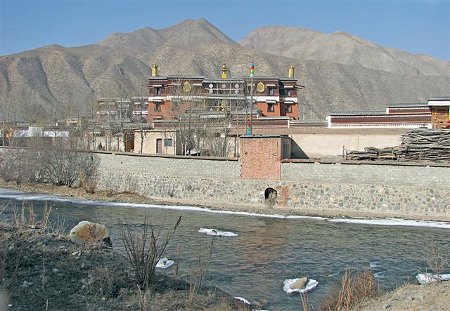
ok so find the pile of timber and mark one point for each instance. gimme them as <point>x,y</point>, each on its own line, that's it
<point>425,145</point>
<point>417,145</point>
<point>372,154</point>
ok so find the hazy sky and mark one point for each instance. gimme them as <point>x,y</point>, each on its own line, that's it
<point>417,26</point>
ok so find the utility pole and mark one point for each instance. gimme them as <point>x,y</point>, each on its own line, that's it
<point>252,73</point>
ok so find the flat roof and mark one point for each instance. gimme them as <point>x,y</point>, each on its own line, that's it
<point>407,104</point>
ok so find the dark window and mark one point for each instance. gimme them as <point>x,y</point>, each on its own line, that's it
<point>288,92</point>
<point>288,108</point>
<point>270,107</point>
<point>168,142</point>
<point>157,107</point>
<point>271,91</point>
<point>157,91</point>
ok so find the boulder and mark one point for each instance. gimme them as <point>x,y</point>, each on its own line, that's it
<point>89,232</point>
<point>300,283</point>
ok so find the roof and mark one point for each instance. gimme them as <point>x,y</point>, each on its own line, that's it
<point>358,113</point>
<point>439,102</point>
<point>408,105</point>
<point>176,77</point>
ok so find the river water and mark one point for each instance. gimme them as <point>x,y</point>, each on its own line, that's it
<point>267,250</point>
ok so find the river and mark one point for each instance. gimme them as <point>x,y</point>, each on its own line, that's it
<point>267,250</point>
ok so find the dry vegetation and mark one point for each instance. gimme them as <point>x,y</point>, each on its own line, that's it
<point>41,269</point>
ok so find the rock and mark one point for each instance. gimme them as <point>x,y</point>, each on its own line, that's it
<point>88,232</point>
<point>300,283</point>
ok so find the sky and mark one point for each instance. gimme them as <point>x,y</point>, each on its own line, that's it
<point>415,26</point>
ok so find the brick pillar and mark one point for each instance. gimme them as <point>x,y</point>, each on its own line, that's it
<point>261,157</point>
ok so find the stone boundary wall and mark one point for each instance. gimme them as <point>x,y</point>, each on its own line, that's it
<point>394,175</point>
<point>170,166</point>
<point>365,189</point>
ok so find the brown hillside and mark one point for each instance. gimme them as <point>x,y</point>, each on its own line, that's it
<point>56,80</point>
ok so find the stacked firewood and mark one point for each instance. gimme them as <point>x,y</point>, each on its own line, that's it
<point>417,145</point>
<point>425,145</point>
<point>372,154</point>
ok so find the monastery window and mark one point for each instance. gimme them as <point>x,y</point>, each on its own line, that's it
<point>158,91</point>
<point>288,108</point>
<point>288,92</point>
<point>168,142</point>
<point>270,107</point>
<point>271,91</point>
<point>157,107</point>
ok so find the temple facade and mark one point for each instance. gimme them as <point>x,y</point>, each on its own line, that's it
<point>172,96</point>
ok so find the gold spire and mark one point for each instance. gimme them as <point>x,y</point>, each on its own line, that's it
<point>224,74</point>
<point>291,71</point>
<point>154,71</point>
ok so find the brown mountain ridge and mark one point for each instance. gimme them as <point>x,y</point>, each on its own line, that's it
<point>342,72</point>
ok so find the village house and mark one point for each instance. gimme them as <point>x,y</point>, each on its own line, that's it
<point>440,112</point>
<point>408,115</point>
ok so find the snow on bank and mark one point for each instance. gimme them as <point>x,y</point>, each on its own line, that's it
<point>22,196</point>
<point>393,222</point>
<point>427,278</point>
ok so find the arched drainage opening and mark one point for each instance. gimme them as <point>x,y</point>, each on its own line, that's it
<point>270,196</point>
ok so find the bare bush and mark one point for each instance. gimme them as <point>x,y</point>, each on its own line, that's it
<point>25,216</point>
<point>198,273</point>
<point>56,165</point>
<point>436,259</point>
<point>354,288</point>
<point>144,249</point>
<point>306,305</point>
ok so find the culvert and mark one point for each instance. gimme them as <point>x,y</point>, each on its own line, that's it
<point>270,197</point>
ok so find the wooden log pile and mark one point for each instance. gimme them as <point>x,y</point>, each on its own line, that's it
<point>417,145</point>
<point>372,154</point>
<point>425,145</point>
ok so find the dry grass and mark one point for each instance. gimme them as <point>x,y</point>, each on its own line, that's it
<point>354,288</point>
<point>436,259</point>
<point>144,249</point>
<point>198,273</point>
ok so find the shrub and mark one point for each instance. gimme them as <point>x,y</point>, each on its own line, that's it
<point>144,249</point>
<point>354,288</point>
<point>436,259</point>
<point>56,165</point>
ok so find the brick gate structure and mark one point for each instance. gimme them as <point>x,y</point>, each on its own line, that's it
<point>261,156</point>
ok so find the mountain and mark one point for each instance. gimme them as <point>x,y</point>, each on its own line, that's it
<point>341,48</point>
<point>56,81</point>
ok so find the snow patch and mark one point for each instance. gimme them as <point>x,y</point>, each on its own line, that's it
<point>215,232</point>
<point>164,263</point>
<point>288,283</point>
<point>426,278</point>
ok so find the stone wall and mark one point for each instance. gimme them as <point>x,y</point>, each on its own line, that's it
<point>170,165</point>
<point>367,189</point>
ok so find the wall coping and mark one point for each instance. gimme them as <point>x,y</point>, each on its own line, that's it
<point>386,163</point>
<point>144,155</point>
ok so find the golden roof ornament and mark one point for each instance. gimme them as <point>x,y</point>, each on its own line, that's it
<point>260,87</point>
<point>187,87</point>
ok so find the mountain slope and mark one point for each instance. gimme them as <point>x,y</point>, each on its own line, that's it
<point>54,80</point>
<point>342,48</point>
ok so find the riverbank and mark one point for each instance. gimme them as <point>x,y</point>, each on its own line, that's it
<point>129,197</point>
<point>411,297</point>
<point>43,270</point>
